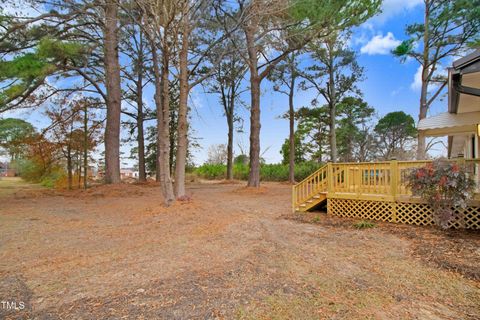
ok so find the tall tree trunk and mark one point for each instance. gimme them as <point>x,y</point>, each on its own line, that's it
<point>254,174</point>
<point>333,134</point>
<point>162,101</point>
<point>228,101</point>
<point>142,177</point>
<point>332,107</point>
<point>85,145</point>
<point>79,169</point>
<point>230,138</point>
<point>421,143</point>
<point>182,125</point>
<point>112,83</point>
<point>173,138</point>
<point>69,167</point>
<point>157,160</point>
<point>291,118</point>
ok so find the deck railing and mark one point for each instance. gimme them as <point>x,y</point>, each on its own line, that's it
<point>310,186</point>
<point>387,180</point>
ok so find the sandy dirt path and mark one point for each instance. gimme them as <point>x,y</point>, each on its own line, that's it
<point>117,253</point>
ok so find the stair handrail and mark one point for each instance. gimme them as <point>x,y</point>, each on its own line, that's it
<point>312,174</point>
<point>310,193</point>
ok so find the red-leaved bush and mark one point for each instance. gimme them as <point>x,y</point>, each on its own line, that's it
<point>444,185</point>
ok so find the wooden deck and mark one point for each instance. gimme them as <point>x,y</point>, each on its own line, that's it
<point>377,191</point>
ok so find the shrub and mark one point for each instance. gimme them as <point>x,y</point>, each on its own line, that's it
<point>241,159</point>
<point>29,170</point>
<point>443,185</point>
<point>212,171</point>
<point>303,170</point>
<point>32,171</point>
<point>268,172</point>
<point>363,224</point>
<point>240,171</point>
<point>274,172</point>
<point>55,179</point>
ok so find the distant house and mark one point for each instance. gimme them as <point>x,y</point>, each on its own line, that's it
<point>6,170</point>
<point>127,173</point>
<point>462,121</point>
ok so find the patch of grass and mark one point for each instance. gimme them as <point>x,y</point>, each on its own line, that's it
<point>364,224</point>
<point>10,185</point>
<point>316,219</point>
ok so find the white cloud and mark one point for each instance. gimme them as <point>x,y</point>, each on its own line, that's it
<point>392,8</point>
<point>380,44</point>
<point>417,80</point>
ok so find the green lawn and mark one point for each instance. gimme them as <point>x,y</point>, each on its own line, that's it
<point>10,185</point>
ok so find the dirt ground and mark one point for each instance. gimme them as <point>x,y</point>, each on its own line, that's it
<point>229,253</point>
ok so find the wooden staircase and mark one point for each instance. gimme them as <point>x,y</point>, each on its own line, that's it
<point>316,200</point>
<point>310,192</point>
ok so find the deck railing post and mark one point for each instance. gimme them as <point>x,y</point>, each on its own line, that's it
<point>330,178</point>
<point>394,182</point>
<point>358,179</point>
<point>394,177</point>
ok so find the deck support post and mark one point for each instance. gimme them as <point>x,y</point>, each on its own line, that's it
<point>294,199</point>
<point>330,183</point>
<point>394,181</point>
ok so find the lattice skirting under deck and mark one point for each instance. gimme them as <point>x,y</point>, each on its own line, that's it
<point>399,212</point>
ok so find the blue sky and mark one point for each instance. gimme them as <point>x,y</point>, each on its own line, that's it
<point>389,86</point>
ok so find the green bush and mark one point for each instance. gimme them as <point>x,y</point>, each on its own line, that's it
<point>268,172</point>
<point>363,224</point>
<point>305,169</point>
<point>212,171</point>
<point>29,170</point>
<point>54,178</point>
<point>33,172</point>
<point>274,172</point>
<point>240,171</point>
